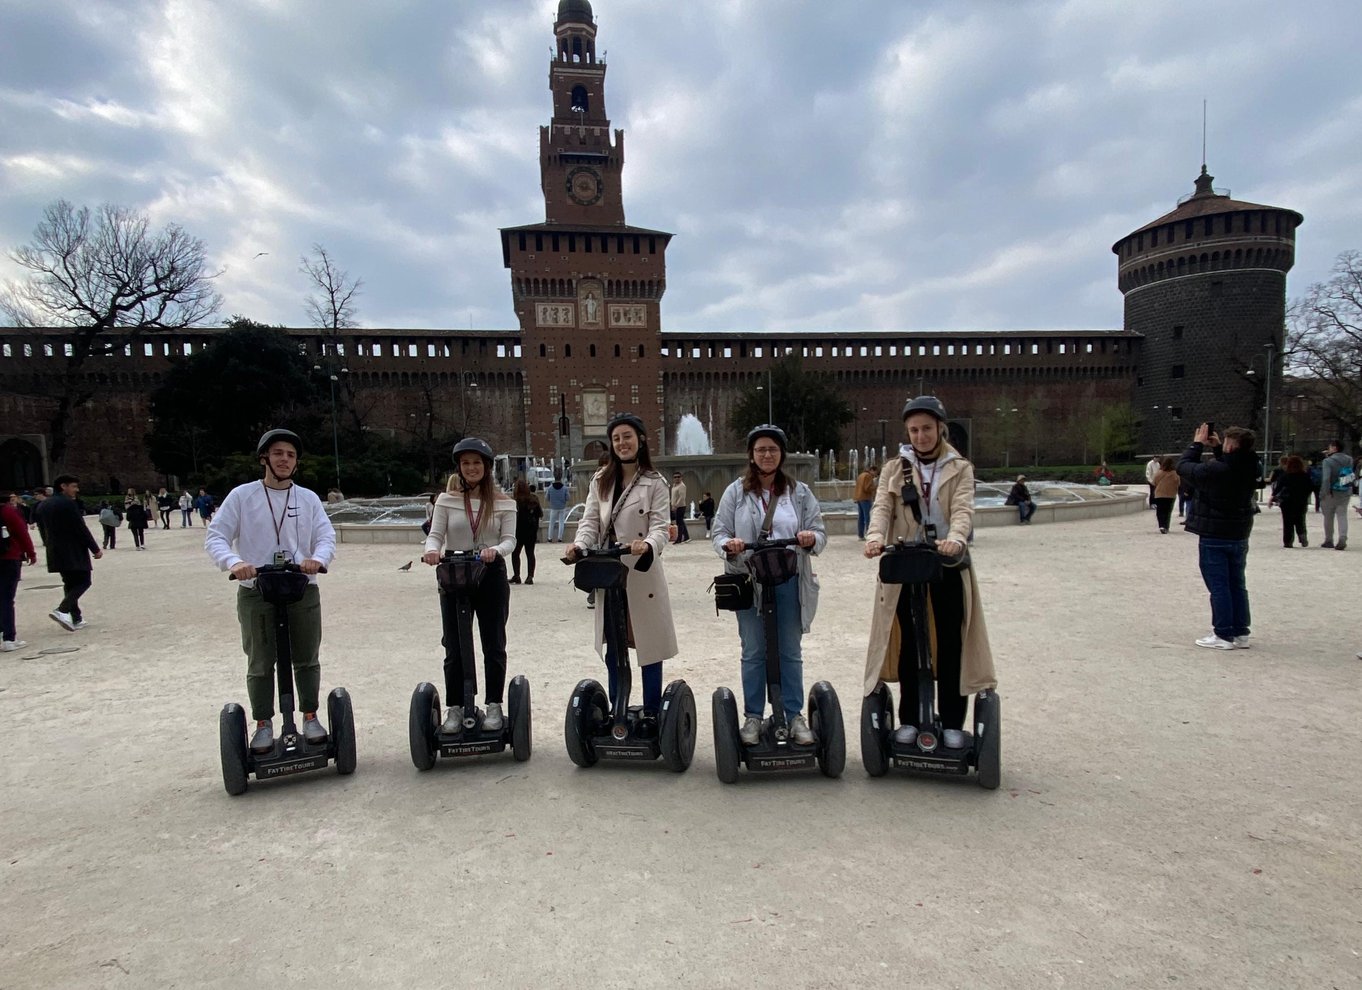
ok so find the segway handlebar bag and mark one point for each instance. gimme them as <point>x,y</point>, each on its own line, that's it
<point>773,565</point>
<point>599,573</point>
<point>462,574</point>
<point>910,563</point>
<point>281,587</point>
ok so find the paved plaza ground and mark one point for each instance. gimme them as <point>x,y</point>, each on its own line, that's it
<point>1169,816</point>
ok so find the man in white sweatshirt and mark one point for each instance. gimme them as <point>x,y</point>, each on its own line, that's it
<point>269,522</point>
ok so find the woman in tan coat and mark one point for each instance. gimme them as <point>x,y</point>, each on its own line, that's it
<point>629,503</point>
<point>944,483</point>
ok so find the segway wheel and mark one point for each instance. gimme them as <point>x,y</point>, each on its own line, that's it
<point>678,726</point>
<point>232,737</point>
<point>421,723</point>
<point>342,716</point>
<point>988,724</point>
<point>521,737</point>
<point>825,717</point>
<point>727,745</point>
<point>876,724</point>
<point>586,709</point>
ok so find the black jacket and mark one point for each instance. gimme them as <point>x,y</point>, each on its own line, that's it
<point>1294,491</point>
<point>1223,490</point>
<point>68,542</point>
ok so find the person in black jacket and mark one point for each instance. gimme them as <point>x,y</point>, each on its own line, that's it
<point>69,544</point>
<point>1292,492</point>
<point>1221,513</point>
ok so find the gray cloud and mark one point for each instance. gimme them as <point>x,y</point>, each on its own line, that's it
<point>858,165</point>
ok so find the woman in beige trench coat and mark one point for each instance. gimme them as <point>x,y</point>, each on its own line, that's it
<point>629,503</point>
<point>945,485</point>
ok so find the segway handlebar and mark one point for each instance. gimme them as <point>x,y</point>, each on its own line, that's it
<point>278,569</point>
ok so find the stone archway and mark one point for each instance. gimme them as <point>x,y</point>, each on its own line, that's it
<point>21,465</point>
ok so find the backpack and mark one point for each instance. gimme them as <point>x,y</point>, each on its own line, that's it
<point>107,517</point>
<point>1343,480</point>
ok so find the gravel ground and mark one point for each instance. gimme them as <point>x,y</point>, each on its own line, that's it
<point>1168,816</point>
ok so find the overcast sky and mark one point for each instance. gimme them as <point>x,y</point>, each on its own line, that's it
<point>864,164</point>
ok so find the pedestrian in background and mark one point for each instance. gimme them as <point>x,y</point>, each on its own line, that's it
<point>1151,468</point>
<point>110,519</point>
<point>864,497</point>
<point>1020,496</point>
<point>706,509</point>
<point>61,521</point>
<point>1167,487</point>
<point>528,512</point>
<point>165,504</point>
<point>1292,495</point>
<point>678,502</point>
<point>137,522</point>
<point>186,510</point>
<point>16,546</point>
<point>557,495</point>
<point>1335,492</point>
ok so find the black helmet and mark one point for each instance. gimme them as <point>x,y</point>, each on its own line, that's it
<point>925,403</point>
<point>626,418</point>
<point>768,430</point>
<point>476,445</point>
<point>270,436</point>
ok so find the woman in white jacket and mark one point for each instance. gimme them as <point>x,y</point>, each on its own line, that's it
<point>472,514</point>
<point>796,515</point>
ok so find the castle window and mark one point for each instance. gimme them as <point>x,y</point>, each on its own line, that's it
<point>572,243</point>
<point>1187,230</point>
<point>586,243</point>
<point>543,351</point>
<point>1154,237</point>
<point>1217,289</point>
<point>430,350</point>
<point>515,350</point>
<point>617,350</point>
<point>640,350</point>
<point>592,350</point>
<point>1177,331</point>
<point>539,242</point>
<point>580,103</point>
<point>567,350</point>
<point>555,242</point>
<point>652,245</point>
<point>1177,371</point>
<point>1207,227</point>
<point>1175,414</point>
<point>8,351</point>
<point>756,351</point>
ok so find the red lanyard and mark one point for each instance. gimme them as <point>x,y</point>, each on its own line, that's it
<point>473,520</point>
<point>279,524</point>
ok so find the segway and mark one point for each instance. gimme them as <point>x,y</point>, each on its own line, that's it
<point>917,566</point>
<point>593,729</point>
<point>281,585</point>
<point>458,573</point>
<point>772,563</point>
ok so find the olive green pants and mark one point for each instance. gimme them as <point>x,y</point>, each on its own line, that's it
<point>257,639</point>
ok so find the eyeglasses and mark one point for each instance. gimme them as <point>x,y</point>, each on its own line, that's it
<point>766,451</point>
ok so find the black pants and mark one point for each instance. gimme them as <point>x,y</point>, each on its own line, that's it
<point>947,602</point>
<point>1293,523</point>
<point>73,585</point>
<point>110,537</point>
<point>139,536</point>
<point>492,606</point>
<point>528,547</point>
<point>679,517</point>
<point>165,518</point>
<point>9,584</point>
<point>1163,511</point>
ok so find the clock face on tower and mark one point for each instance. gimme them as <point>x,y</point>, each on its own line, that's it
<point>584,186</point>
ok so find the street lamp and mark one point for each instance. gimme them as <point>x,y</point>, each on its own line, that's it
<point>335,431</point>
<point>1007,435</point>
<point>1271,350</point>
<point>770,417</point>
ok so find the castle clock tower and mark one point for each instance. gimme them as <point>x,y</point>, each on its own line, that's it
<point>586,285</point>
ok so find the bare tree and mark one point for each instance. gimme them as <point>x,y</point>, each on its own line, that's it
<point>110,279</point>
<point>1324,343</point>
<point>331,304</point>
<point>331,307</point>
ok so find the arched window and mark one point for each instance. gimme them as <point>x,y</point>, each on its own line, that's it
<point>580,102</point>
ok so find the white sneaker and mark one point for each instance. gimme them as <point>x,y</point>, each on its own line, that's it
<point>1214,642</point>
<point>953,738</point>
<point>10,645</point>
<point>453,723</point>
<point>905,735</point>
<point>80,625</point>
<point>1242,643</point>
<point>62,619</point>
<point>492,719</point>
<point>750,731</point>
<point>800,731</point>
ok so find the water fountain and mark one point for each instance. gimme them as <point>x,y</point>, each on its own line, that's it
<point>691,438</point>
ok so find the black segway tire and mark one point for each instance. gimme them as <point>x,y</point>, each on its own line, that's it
<point>678,726</point>
<point>342,716</point>
<point>727,745</point>
<point>522,742</point>
<point>989,760</point>
<point>421,723</point>
<point>876,726</point>
<point>825,712</point>
<point>586,708</point>
<point>232,737</point>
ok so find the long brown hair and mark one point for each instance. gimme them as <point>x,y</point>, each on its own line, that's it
<point>1295,464</point>
<point>523,495</point>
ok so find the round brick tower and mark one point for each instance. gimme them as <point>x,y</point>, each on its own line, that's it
<point>1206,286</point>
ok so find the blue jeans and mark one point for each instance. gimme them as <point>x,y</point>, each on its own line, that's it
<point>1222,568</point>
<point>789,633</point>
<point>862,518</point>
<point>1025,510</point>
<point>651,677</point>
<point>556,519</point>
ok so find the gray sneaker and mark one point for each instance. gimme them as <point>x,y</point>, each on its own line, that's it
<point>953,738</point>
<point>262,740</point>
<point>800,731</point>
<point>453,723</point>
<point>1242,642</point>
<point>313,731</point>
<point>492,719</point>
<point>905,735</point>
<point>751,730</point>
